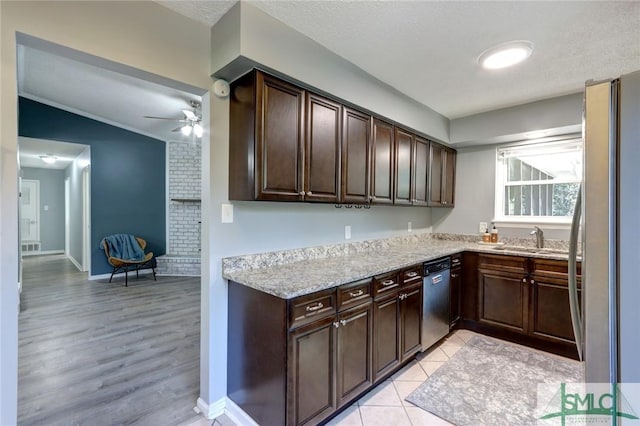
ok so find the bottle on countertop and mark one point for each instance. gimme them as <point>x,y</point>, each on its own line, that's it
<point>494,234</point>
<point>486,237</point>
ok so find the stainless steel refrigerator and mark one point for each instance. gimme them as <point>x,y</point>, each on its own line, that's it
<point>607,321</point>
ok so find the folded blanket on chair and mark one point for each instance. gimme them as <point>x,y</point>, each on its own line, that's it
<point>124,246</point>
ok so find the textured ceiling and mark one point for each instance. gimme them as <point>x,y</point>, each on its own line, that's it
<point>428,49</point>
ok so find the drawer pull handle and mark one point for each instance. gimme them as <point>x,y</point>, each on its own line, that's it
<point>313,308</point>
<point>412,274</point>
<point>356,293</point>
<point>343,322</point>
<point>336,324</point>
<point>403,296</point>
<point>387,282</point>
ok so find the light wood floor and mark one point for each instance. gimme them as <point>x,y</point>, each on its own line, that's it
<point>94,353</point>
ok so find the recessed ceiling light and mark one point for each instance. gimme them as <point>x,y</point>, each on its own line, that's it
<point>505,54</point>
<point>48,159</point>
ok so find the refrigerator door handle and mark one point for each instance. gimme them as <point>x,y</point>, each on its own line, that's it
<point>574,303</point>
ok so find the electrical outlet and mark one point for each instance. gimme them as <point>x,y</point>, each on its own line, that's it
<point>482,227</point>
<point>409,227</point>
<point>347,232</point>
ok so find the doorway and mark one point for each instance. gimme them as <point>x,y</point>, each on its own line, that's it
<point>30,216</point>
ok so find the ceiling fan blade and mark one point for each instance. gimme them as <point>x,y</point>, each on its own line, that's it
<point>177,129</point>
<point>161,118</point>
<point>190,115</point>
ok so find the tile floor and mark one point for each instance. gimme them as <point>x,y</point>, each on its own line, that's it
<point>385,404</point>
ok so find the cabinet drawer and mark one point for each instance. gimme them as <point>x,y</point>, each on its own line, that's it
<point>385,284</point>
<point>549,268</point>
<point>513,264</point>
<point>353,294</point>
<point>412,275</point>
<point>310,307</point>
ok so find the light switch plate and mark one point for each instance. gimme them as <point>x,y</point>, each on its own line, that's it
<point>347,232</point>
<point>227,213</point>
<point>482,227</point>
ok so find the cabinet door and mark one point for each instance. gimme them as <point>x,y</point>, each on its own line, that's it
<point>411,320</point>
<point>279,139</point>
<point>356,133</point>
<point>382,162</point>
<point>436,166</point>
<point>455,292</point>
<point>503,299</point>
<point>421,172</point>
<point>449,177</point>
<point>386,340</point>
<point>322,149</point>
<point>354,351</point>
<point>311,366</point>
<point>403,156</point>
<point>550,316</point>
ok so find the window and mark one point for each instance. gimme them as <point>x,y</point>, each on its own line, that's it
<point>539,181</point>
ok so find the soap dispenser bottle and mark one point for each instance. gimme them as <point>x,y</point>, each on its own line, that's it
<point>494,234</point>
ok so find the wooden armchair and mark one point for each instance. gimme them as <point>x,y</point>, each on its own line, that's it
<point>122,265</point>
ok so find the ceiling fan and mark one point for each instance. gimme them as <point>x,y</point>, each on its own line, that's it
<point>191,120</point>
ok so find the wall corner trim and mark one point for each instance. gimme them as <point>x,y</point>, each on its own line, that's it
<point>213,410</point>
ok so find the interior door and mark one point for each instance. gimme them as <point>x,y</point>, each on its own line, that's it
<point>30,210</point>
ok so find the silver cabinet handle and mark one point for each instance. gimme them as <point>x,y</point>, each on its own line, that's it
<point>357,293</point>
<point>343,322</point>
<point>309,193</point>
<point>336,324</point>
<point>403,296</point>
<point>412,274</point>
<point>532,281</point>
<point>524,280</point>
<point>313,308</point>
<point>301,193</point>
<point>387,282</point>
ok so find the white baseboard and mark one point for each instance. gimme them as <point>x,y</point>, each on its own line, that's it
<point>41,252</point>
<point>237,414</point>
<point>213,410</point>
<point>228,407</point>
<point>75,263</point>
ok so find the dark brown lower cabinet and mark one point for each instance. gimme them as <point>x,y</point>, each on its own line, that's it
<point>503,299</point>
<point>312,362</point>
<point>354,353</point>
<point>397,320</point>
<point>386,328</point>
<point>410,320</point>
<point>525,300</point>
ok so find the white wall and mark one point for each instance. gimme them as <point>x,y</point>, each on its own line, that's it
<point>141,36</point>
<point>475,199</point>
<point>76,194</point>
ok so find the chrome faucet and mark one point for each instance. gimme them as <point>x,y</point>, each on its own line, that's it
<point>539,237</point>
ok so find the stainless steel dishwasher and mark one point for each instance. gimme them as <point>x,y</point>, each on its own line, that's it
<point>435,303</point>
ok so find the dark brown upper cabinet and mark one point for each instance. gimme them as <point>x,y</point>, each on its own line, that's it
<point>421,172</point>
<point>266,139</point>
<point>382,161</point>
<point>442,162</point>
<point>322,149</point>
<point>356,136</point>
<point>404,163</point>
<point>287,143</point>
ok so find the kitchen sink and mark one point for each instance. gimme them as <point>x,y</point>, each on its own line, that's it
<point>530,250</point>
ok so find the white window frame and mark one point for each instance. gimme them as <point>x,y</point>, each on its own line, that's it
<point>550,222</point>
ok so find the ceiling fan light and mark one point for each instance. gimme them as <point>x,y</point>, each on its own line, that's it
<point>505,55</point>
<point>198,130</point>
<point>186,129</point>
<point>48,159</point>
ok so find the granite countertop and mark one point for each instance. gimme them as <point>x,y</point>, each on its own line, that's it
<point>306,276</point>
